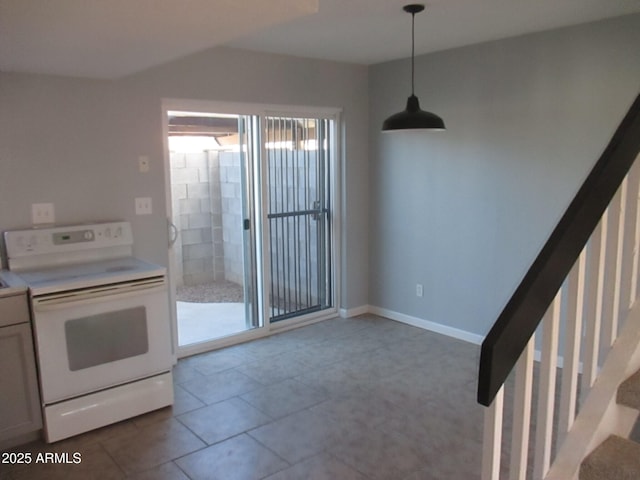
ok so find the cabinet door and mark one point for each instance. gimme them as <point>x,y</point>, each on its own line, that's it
<point>14,309</point>
<point>19,399</point>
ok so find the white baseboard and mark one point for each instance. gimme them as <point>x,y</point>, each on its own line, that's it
<point>443,329</point>
<point>537,356</point>
<point>427,325</point>
<point>354,312</point>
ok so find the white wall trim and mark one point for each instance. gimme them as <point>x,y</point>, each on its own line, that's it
<point>431,326</point>
<point>428,325</point>
<point>440,328</point>
<point>413,321</point>
<point>537,355</point>
<point>354,312</point>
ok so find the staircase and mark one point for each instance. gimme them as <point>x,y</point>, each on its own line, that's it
<point>577,313</point>
<point>617,457</point>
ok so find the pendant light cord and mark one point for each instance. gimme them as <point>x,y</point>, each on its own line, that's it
<point>413,47</point>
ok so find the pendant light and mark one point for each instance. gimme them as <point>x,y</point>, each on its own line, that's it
<point>412,117</point>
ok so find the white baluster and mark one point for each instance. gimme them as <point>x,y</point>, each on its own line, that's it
<point>492,438</point>
<point>593,314</point>
<point>633,294</point>
<point>522,413</point>
<point>547,390</point>
<point>611,304</point>
<point>622,267</point>
<point>630,219</point>
<point>573,337</point>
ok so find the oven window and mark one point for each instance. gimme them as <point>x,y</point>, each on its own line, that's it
<point>106,337</point>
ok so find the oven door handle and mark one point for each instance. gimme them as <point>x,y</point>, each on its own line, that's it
<point>173,232</point>
<point>108,293</point>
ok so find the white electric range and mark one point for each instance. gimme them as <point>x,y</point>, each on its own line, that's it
<point>101,324</point>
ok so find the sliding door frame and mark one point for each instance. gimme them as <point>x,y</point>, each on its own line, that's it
<point>261,224</point>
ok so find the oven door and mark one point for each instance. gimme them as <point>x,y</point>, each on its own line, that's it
<point>95,338</point>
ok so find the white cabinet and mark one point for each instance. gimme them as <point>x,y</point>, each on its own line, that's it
<point>19,398</point>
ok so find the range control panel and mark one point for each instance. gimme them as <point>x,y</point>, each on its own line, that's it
<point>42,241</point>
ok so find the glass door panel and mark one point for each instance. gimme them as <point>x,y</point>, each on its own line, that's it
<point>212,183</point>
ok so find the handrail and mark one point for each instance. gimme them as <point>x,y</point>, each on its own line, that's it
<point>520,317</point>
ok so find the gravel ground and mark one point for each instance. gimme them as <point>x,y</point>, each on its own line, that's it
<point>213,292</point>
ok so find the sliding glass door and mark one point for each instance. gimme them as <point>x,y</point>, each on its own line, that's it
<point>252,220</point>
<point>212,177</point>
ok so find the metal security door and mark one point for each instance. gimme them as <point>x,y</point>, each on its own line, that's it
<point>298,208</point>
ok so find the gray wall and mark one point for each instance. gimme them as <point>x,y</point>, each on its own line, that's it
<point>464,212</point>
<point>76,142</point>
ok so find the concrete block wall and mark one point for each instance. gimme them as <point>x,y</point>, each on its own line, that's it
<point>196,208</point>
<point>208,211</point>
<point>232,216</point>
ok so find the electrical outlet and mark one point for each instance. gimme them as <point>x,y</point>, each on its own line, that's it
<point>143,163</point>
<point>42,213</point>
<point>419,290</point>
<point>143,206</point>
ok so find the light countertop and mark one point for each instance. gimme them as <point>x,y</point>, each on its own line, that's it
<point>11,284</point>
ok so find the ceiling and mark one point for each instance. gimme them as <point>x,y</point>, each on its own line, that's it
<point>115,38</point>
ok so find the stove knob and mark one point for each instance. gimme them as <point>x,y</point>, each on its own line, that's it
<point>88,235</point>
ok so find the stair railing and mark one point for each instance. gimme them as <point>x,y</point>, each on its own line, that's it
<point>583,281</point>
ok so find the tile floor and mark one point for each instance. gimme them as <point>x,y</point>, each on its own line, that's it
<point>360,398</point>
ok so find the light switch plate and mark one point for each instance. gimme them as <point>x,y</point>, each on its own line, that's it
<point>143,206</point>
<point>42,213</point>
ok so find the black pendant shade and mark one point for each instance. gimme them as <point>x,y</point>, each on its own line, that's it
<point>413,117</point>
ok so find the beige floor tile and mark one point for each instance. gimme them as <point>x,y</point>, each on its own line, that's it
<point>284,398</point>
<point>223,420</point>
<point>358,406</point>
<point>332,379</point>
<point>221,386</point>
<point>350,399</point>
<point>152,446</point>
<point>320,467</point>
<point>276,368</point>
<point>378,454</point>
<point>263,348</point>
<point>239,458</point>
<point>166,471</point>
<point>214,361</point>
<point>301,435</point>
<point>183,372</point>
<point>93,462</point>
